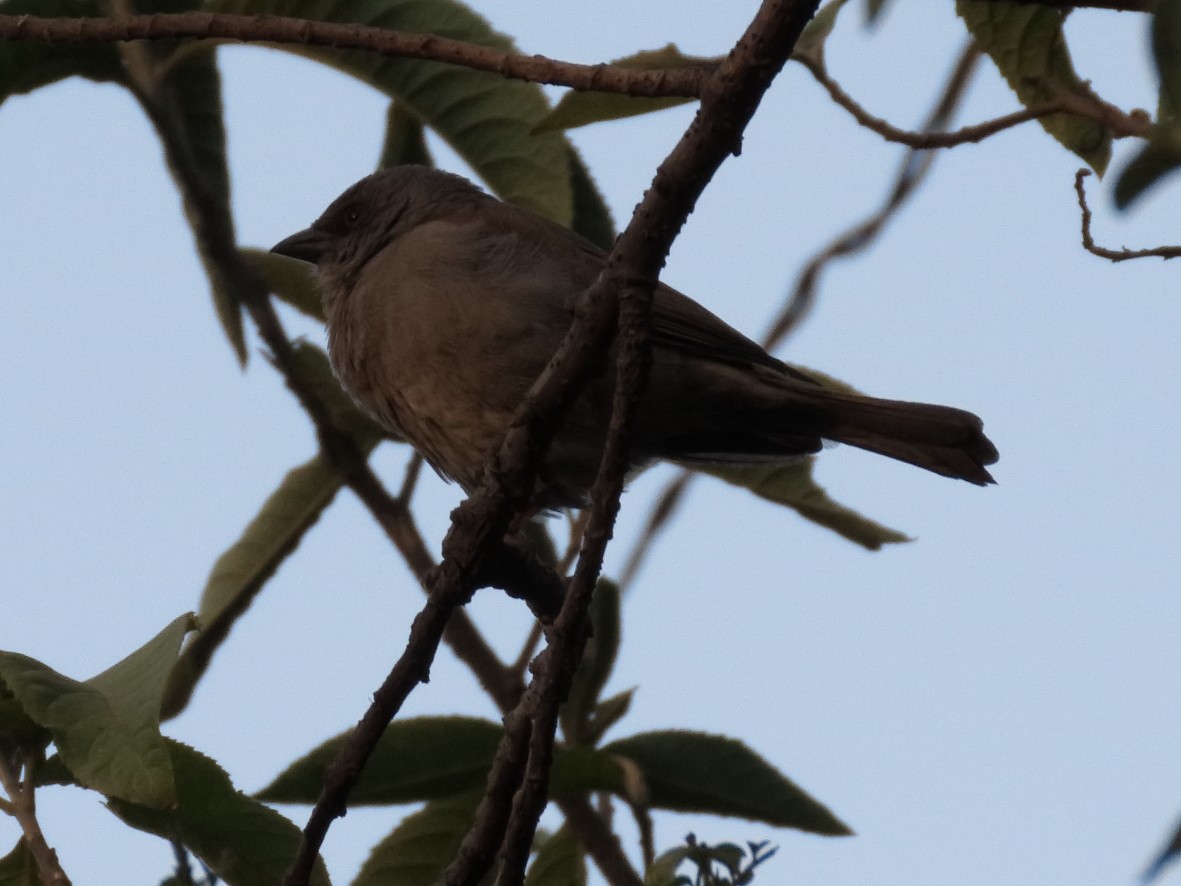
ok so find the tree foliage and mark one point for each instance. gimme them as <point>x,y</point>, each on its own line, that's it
<point>104,733</point>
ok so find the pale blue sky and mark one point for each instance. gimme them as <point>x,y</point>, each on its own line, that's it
<point>993,704</point>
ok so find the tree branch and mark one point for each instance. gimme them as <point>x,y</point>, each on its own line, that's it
<point>683,82</point>
<point>1114,255</point>
<point>23,808</point>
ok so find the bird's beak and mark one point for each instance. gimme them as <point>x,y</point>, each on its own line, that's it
<point>308,245</point>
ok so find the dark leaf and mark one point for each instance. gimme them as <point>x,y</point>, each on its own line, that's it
<point>239,839</point>
<point>424,758</point>
<point>696,772</point>
<point>18,731</point>
<point>405,139</point>
<point>421,847</point>
<point>559,862</point>
<point>1159,157</point>
<point>592,218</point>
<point>189,98</point>
<point>25,65</point>
<point>314,372</point>
<point>598,658</point>
<point>793,485</point>
<point>577,770</point>
<point>608,712</point>
<point>292,280</point>
<point>1166,51</point>
<point>18,868</point>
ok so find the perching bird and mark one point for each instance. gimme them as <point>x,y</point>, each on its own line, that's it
<point>444,305</point>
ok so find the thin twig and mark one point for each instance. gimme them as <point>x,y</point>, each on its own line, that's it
<point>682,82</point>
<point>1122,124</point>
<point>662,511</point>
<point>643,819</point>
<point>912,171</point>
<point>184,870</point>
<point>410,479</point>
<point>24,809</point>
<point>1115,255</point>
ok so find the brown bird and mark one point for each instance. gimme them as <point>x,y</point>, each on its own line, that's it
<point>444,305</point>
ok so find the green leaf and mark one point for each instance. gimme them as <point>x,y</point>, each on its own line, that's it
<point>487,119</point>
<point>53,771</point>
<point>18,868</point>
<point>697,772</point>
<point>1156,159</point>
<point>1162,153</point>
<point>424,758</point>
<point>292,280</point>
<point>598,659</point>
<point>431,758</point>
<point>189,94</point>
<point>592,217</point>
<point>794,486</point>
<point>239,839</point>
<point>1166,52</point>
<point>578,770</point>
<point>663,871</point>
<point>1027,44</point>
<point>18,731</point>
<point>107,729</point>
<point>420,848</point>
<point>314,372</point>
<point>240,572</point>
<point>405,139</point>
<point>25,65</point>
<point>609,712</point>
<point>559,862</point>
<point>814,35</point>
<point>579,108</point>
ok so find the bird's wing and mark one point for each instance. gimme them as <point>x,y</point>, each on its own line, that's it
<point>678,322</point>
<point>682,324</point>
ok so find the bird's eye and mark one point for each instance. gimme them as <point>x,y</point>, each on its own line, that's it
<point>352,215</point>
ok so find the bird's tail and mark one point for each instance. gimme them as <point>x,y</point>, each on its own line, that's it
<point>947,441</point>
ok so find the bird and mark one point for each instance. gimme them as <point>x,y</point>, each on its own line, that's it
<point>443,305</point>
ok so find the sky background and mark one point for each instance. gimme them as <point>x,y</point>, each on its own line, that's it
<point>994,703</point>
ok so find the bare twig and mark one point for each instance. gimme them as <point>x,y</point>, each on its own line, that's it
<point>1122,124</point>
<point>683,82</point>
<point>643,819</point>
<point>1115,255</point>
<point>912,171</point>
<point>926,139</point>
<point>23,808</point>
<point>662,511</point>
<point>599,840</point>
<point>410,479</point>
